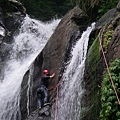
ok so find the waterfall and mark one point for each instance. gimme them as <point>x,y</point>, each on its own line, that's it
<point>29,42</point>
<point>72,86</point>
<point>29,90</point>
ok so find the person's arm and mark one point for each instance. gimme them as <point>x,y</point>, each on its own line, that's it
<point>52,75</point>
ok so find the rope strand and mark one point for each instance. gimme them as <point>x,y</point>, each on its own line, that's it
<point>56,104</point>
<point>108,69</point>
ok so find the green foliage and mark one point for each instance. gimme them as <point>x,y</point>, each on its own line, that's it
<point>106,5</point>
<point>47,9</point>
<point>107,38</point>
<point>85,3</point>
<point>110,107</point>
<point>96,7</point>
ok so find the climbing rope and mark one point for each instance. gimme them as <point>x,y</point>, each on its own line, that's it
<point>108,67</point>
<point>56,102</point>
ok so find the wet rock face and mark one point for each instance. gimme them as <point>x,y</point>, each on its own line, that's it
<point>106,18</point>
<point>57,52</point>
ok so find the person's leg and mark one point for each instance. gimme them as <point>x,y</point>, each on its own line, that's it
<point>45,95</point>
<point>39,98</point>
<point>39,101</point>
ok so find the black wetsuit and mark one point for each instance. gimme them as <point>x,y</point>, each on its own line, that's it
<point>44,80</point>
<point>42,91</point>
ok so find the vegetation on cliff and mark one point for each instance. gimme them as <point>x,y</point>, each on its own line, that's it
<point>48,9</point>
<point>110,107</point>
<point>106,5</point>
<point>109,102</point>
<point>107,31</point>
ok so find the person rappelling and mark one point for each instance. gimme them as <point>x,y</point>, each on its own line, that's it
<point>42,91</point>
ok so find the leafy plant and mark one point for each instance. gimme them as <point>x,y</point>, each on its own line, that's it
<point>110,108</point>
<point>107,38</point>
<point>106,5</point>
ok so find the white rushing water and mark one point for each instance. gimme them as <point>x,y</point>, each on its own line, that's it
<point>31,39</point>
<point>72,87</point>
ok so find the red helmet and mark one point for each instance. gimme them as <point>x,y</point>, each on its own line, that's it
<point>46,72</point>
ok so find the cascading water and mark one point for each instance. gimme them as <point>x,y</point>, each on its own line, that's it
<point>32,37</point>
<point>72,87</point>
